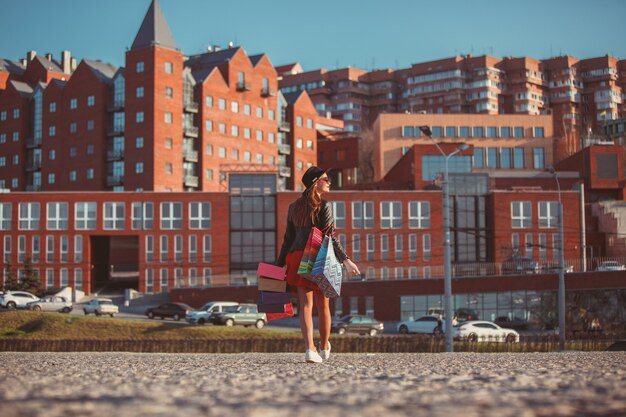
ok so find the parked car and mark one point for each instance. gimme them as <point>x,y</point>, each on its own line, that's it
<point>204,313</point>
<point>51,303</point>
<point>176,311</point>
<point>553,268</point>
<point>511,322</point>
<point>462,314</point>
<point>611,266</point>
<point>242,314</point>
<point>425,324</point>
<point>101,306</point>
<point>16,299</point>
<point>484,331</point>
<point>357,324</point>
<point>520,265</point>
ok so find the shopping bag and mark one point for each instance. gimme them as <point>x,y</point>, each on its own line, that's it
<point>268,284</point>
<point>310,252</point>
<point>327,272</point>
<point>287,312</point>
<point>271,271</point>
<point>266,297</point>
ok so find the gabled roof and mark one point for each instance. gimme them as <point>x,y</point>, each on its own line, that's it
<point>104,71</point>
<point>23,89</point>
<point>154,30</point>
<point>255,59</point>
<point>49,65</point>
<point>11,66</point>
<point>58,83</point>
<point>202,65</point>
<point>294,68</point>
<point>293,97</point>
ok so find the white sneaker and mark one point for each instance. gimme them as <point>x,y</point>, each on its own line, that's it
<point>325,354</point>
<point>312,357</point>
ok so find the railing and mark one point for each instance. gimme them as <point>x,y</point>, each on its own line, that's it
<point>113,180</point>
<point>33,187</point>
<point>115,155</point>
<point>191,156</point>
<point>284,171</point>
<point>115,130</point>
<point>191,131</point>
<point>244,86</point>
<point>115,106</point>
<point>32,142</point>
<point>191,107</point>
<point>34,165</point>
<point>284,148</point>
<point>284,126</point>
<point>190,181</point>
<point>266,92</point>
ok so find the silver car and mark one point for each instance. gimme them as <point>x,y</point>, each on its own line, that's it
<point>51,303</point>
<point>16,299</point>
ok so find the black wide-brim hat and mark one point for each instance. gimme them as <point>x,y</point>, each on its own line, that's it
<point>313,174</point>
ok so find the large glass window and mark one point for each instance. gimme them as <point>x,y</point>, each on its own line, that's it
<point>492,157</point>
<point>85,216</point>
<point>362,214</point>
<point>464,132</point>
<point>114,216</point>
<point>171,215</point>
<point>478,132</point>
<point>390,214</point>
<point>5,216</point>
<point>505,158</point>
<point>29,216</point>
<point>539,161</point>
<point>521,215</point>
<point>339,211</point>
<point>434,166</point>
<point>199,215</point>
<point>419,214</point>
<point>479,157</point>
<point>143,215</point>
<point>548,214</point>
<point>57,216</point>
<point>518,132</point>
<point>518,158</point>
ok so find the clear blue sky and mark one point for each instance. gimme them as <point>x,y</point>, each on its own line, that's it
<point>321,33</point>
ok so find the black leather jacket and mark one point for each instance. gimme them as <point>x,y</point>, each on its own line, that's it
<point>297,236</point>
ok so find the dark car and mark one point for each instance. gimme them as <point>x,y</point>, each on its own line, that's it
<point>520,265</point>
<point>176,311</point>
<point>357,324</point>
<point>511,322</point>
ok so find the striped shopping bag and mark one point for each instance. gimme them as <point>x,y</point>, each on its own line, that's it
<point>310,252</point>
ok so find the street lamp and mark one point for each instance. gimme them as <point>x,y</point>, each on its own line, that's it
<point>447,259</point>
<point>561,294</point>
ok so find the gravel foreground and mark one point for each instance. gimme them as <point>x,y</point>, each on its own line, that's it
<point>282,385</point>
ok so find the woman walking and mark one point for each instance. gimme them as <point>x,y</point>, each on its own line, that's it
<point>307,211</point>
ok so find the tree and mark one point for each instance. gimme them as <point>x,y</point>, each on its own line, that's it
<point>10,278</point>
<point>30,279</point>
<point>366,156</point>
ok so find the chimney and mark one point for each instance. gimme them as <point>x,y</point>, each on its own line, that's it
<point>49,56</point>
<point>66,61</point>
<point>72,64</point>
<point>23,62</point>
<point>30,55</point>
<point>217,48</point>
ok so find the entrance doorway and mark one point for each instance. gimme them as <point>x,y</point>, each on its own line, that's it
<point>115,261</point>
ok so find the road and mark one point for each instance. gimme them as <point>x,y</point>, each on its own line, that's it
<point>281,384</point>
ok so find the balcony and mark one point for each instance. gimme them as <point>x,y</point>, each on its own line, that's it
<point>116,105</point>
<point>114,180</point>
<point>191,156</point>
<point>191,131</point>
<point>284,126</point>
<point>190,107</point>
<point>267,92</point>
<point>115,130</point>
<point>244,86</point>
<point>190,180</point>
<point>34,165</point>
<point>284,149</point>
<point>284,171</point>
<point>115,155</point>
<point>33,187</point>
<point>33,142</point>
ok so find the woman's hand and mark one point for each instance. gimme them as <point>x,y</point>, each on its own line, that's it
<point>351,268</point>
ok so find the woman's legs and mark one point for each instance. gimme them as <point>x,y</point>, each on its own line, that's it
<point>305,310</point>
<point>323,313</point>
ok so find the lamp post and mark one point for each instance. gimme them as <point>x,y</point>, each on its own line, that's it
<point>561,295</point>
<point>447,258</point>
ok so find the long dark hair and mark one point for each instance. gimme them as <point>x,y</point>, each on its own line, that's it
<point>307,207</point>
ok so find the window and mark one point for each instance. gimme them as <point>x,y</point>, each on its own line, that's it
<point>464,131</point>
<point>163,248</point>
<point>479,158</point>
<point>539,161</point>
<point>91,101</point>
<point>168,117</point>
<point>339,211</point>
<point>89,149</point>
<point>408,131</point>
<point>492,132</point>
<point>3,115</point>
<point>538,132</point>
<point>426,247</point>
<point>85,216</point>
<point>299,121</point>
<point>169,92</point>
<point>384,247</point>
<point>259,112</point>
<point>492,157</point>
<point>193,249</point>
<point>178,248</point>
<point>221,152</point>
<point>477,132</point>
<point>52,130</point>
<point>521,215</point>
<point>399,247</point>
<point>548,214</point>
<point>7,248</point>
<point>505,132</point>
<point>149,248</point>
<point>370,242</point>
<point>221,103</point>
<point>49,277</point>
<point>57,216</point>
<point>143,215</point>
<point>208,100</point>
<point>16,136</point>
<point>51,178</point>
<point>164,279</point>
<point>234,130</point>
<point>207,244</point>
<point>139,142</point>
<point>362,214</point>
<point>90,173</point>
<point>222,128</point>
<point>169,67</point>
<point>518,158</point>
<point>234,106</point>
<point>73,103</point>
<point>139,168</point>
<point>5,216</point>
<point>49,249</point>
<point>208,125</point>
<point>114,216</point>
<point>419,214</point>
<point>36,249</point>
<point>299,143</point>
<point>309,123</point>
<point>518,132</point>
<point>29,216</point>
<point>64,248</point>
<point>78,278</point>
<point>412,247</point>
<point>139,117</point>
<point>168,168</point>
<point>199,215</point>
<point>505,158</point>
<point>171,215</point>
<point>450,131</point>
<point>356,248</point>
<point>259,135</point>
<point>139,66</point>
<point>543,246</point>
<point>169,144</point>
<point>139,92</point>
<point>78,248</point>
<point>247,133</point>
<point>73,152</point>
<point>391,215</point>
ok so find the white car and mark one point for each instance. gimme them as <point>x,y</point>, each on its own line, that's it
<point>484,331</point>
<point>51,303</point>
<point>424,324</point>
<point>203,314</point>
<point>16,299</point>
<point>101,306</point>
<point>611,266</point>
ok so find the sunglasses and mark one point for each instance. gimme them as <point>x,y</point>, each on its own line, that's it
<point>327,180</point>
